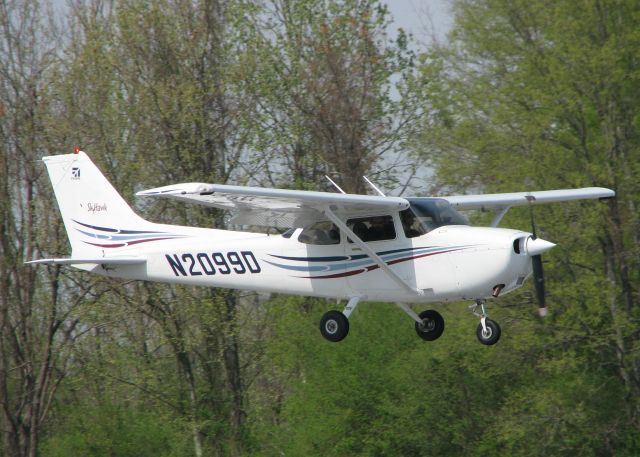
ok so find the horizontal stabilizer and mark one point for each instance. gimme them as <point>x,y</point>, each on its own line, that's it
<point>96,260</point>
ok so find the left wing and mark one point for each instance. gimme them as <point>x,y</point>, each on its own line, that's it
<point>277,207</point>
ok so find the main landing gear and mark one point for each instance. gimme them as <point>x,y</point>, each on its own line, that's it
<point>432,325</point>
<point>334,325</point>
<point>429,324</point>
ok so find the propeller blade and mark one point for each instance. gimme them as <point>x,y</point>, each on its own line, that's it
<point>538,282</point>
<point>534,248</point>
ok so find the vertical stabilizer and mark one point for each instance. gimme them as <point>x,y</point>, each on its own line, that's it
<point>95,216</point>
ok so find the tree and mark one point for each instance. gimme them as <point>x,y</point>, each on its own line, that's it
<point>323,73</point>
<point>37,307</point>
<point>540,95</point>
<point>150,92</point>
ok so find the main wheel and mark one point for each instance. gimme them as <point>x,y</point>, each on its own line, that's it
<point>491,336</point>
<point>432,325</point>
<point>334,326</point>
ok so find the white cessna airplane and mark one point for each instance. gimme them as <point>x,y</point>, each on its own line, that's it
<point>344,246</point>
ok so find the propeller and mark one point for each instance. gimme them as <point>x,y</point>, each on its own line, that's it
<point>535,248</point>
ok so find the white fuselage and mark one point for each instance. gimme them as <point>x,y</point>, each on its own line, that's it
<point>448,263</point>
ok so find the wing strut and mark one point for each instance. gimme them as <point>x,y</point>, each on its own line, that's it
<point>499,214</point>
<point>371,253</point>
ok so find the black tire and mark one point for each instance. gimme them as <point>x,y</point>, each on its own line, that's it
<point>334,326</point>
<point>432,325</point>
<point>493,333</point>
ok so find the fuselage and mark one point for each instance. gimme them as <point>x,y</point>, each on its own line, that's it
<point>448,263</point>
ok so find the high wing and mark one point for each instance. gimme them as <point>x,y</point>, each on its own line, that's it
<point>507,200</point>
<point>277,207</point>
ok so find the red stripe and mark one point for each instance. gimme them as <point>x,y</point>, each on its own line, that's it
<point>333,276</point>
<point>129,243</point>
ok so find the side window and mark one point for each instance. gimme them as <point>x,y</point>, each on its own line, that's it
<point>288,233</point>
<point>410,224</point>
<point>323,232</point>
<point>375,228</point>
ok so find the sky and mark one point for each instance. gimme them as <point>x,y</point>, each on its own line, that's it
<point>422,18</point>
<point>419,17</point>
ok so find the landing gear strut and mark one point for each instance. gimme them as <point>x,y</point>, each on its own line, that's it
<point>488,331</point>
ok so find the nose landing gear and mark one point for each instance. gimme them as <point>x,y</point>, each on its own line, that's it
<point>488,331</point>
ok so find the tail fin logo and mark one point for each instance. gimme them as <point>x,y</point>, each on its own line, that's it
<point>75,173</point>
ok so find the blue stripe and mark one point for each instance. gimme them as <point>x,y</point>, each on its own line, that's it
<point>112,230</point>
<point>365,262</point>
<point>339,258</point>
<point>125,237</point>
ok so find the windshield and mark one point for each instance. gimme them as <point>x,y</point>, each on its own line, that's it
<point>435,212</point>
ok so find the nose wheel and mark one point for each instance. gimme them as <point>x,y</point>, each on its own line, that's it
<point>489,334</point>
<point>488,331</point>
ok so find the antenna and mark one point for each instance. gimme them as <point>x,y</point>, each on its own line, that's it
<point>335,185</point>
<point>374,187</point>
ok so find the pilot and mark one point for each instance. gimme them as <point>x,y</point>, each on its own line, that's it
<point>410,225</point>
<point>381,228</point>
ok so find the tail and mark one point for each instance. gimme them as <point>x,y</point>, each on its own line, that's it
<point>96,217</point>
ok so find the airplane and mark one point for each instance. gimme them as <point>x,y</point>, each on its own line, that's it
<point>336,245</point>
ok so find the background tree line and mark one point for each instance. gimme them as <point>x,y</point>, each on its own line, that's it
<point>522,95</point>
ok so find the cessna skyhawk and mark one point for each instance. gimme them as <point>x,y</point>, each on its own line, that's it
<point>343,246</point>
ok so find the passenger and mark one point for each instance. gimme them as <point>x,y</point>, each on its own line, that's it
<point>381,229</point>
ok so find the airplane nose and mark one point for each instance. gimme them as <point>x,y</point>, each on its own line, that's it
<point>536,246</point>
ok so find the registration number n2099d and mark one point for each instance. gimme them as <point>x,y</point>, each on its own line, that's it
<point>209,264</point>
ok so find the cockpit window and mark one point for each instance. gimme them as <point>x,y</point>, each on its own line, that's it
<point>288,233</point>
<point>411,224</point>
<point>432,213</point>
<point>323,232</point>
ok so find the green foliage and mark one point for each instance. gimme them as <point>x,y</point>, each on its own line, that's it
<point>536,96</point>
<point>97,430</point>
<point>526,95</point>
